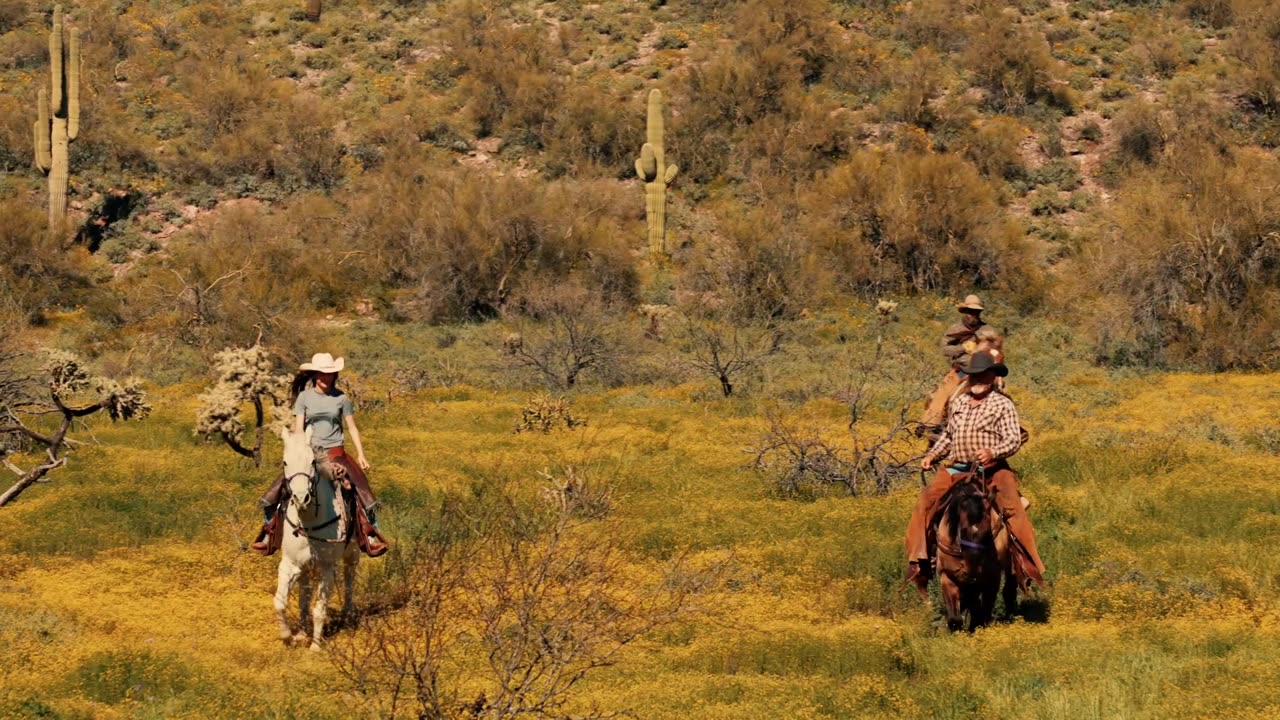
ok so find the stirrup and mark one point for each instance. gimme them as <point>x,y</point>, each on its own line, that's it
<point>373,547</point>
<point>262,544</point>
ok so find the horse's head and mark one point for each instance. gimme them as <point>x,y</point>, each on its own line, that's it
<point>971,516</point>
<point>299,469</point>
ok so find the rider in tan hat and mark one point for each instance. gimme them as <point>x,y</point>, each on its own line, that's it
<point>953,348</point>
<point>320,405</point>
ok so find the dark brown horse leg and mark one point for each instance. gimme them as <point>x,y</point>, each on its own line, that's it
<point>951,601</point>
<point>984,605</point>
<point>1010,592</point>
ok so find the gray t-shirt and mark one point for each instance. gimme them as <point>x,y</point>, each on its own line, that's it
<point>323,412</point>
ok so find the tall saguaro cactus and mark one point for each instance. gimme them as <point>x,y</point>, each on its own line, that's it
<point>58,116</point>
<point>653,169</point>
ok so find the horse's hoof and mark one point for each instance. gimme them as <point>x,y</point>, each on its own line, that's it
<point>299,638</point>
<point>315,647</point>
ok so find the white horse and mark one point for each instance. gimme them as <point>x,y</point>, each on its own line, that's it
<point>315,537</point>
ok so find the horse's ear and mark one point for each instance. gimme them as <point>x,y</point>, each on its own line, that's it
<point>307,433</point>
<point>284,434</point>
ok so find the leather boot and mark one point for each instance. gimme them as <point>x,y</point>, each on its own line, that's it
<point>268,540</point>
<point>919,575</point>
<point>368,537</point>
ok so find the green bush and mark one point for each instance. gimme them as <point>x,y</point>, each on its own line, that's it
<point>461,243</point>
<point>993,147</point>
<point>1013,64</point>
<point>892,221</point>
<point>1138,131</point>
<point>1196,279</point>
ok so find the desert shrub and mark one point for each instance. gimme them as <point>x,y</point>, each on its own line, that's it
<point>919,81</point>
<point>800,459</point>
<point>12,14</point>
<point>782,49</point>
<point>723,351</point>
<point>1047,201</point>
<point>1255,46</point>
<point>756,265</point>
<point>1138,130</point>
<point>1091,131</point>
<point>564,333</point>
<point>936,24</point>
<point>595,127</point>
<point>461,243</point>
<point>1190,273</point>
<point>993,147</point>
<point>38,274</point>
<point>16,144</point>
<point>1012,62</point>
<point>1115,90</point>
<point>508,74</point>
<point>1215,13</point>
<point>308,153</point>
<point>795,144</point>
<point>1061,173</point>
<point>226,282</point>
<point>889,221</point>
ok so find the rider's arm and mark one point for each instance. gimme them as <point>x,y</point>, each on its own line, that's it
<point>940,448</point>
<point>952,347</point>
<point>299,412</point>
<point>1010,430</point>
<point>354,434</point>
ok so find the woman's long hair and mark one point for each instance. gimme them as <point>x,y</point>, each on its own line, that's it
<point>303,380</point>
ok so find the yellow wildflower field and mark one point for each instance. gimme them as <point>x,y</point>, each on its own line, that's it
<point>126,590</point>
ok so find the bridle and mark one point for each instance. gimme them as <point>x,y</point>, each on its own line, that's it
<point>977,478</point>
<point>305,530</point>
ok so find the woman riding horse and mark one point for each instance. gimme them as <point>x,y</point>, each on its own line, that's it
<point>320,405</point>
<point>982,430</point>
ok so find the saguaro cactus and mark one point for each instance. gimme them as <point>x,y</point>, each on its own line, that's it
<point>653,169</point>
<point>58,116</point>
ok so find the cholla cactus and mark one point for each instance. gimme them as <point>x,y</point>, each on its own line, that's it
<point>653,169</point>
<point>544,413</point>
<point>58,116</point>
<point>245,376</point>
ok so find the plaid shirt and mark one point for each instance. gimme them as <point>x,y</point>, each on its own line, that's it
<point>992,424</point>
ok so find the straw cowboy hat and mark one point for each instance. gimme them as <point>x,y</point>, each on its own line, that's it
<point>972,302</point>
<point>323,362</point>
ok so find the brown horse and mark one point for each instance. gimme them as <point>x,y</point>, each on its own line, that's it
<point>973,554</point>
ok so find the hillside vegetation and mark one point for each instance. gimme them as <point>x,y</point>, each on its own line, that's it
<point>436,161</point>
<point>445,193</point>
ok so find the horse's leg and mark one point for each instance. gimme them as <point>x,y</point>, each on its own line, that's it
<point>287,576</point>
<point>304,602</point>
<point>350,560</point>
<point>951,601</point>
<point>1010,591</point>
<point>320,610</point>
<point>985,604</point>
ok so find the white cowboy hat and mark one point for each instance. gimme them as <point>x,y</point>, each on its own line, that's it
<point>972,302</point>
<point>323,362</point>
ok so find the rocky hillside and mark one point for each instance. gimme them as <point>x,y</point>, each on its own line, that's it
<point>437,161</point>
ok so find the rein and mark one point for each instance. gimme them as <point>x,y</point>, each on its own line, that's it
<point>300,530</point>
<point>958,549</point>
